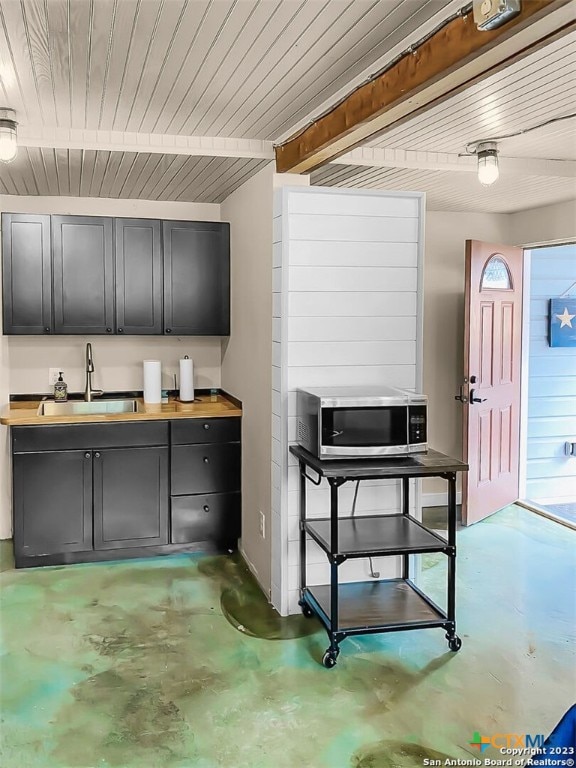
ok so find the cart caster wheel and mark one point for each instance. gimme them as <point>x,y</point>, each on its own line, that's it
<point>307,612</point>
<point>329,659</point>
<point>454,643</point>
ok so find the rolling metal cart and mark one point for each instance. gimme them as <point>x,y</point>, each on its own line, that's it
<point>388,605</point>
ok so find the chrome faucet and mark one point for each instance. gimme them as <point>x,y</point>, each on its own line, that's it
<point>89,393</point>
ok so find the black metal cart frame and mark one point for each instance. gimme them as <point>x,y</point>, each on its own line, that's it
<point>389,605</point>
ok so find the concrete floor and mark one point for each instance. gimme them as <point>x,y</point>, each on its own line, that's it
<point>178,663</point>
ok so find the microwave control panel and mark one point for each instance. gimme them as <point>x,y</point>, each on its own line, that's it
<point>417,424</point>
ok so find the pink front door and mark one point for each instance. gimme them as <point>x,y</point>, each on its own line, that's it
<point>492,370</point>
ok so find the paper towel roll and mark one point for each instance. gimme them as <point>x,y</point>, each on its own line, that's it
<point>186,380</point>
<point>152,381</point>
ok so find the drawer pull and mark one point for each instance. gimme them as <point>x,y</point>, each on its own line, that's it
<point>206,426</point>
<point>97,454</point>
<point>206,460</point>
<point>87,455</point>
<point>206,508</point>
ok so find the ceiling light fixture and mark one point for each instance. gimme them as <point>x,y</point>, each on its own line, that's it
<point>8,138</point>
<point>488,171</point>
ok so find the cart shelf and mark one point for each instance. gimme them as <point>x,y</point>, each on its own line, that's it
<point>389,605</point>
<point>376,534</point>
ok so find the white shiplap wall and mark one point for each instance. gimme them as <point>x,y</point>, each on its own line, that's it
<point>347,310</point>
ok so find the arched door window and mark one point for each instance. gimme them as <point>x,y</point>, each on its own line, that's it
<point>496,275</point>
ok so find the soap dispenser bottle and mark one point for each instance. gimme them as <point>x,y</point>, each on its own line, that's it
<point>60,390</point>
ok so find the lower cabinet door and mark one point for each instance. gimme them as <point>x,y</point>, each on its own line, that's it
<point>211,517</point>
<point>130,497</point>
<point>52,502</point>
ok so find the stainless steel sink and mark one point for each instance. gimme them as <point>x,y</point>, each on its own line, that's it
<point>80,407</point>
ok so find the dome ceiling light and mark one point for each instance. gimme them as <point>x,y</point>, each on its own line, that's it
<point>8,137</point>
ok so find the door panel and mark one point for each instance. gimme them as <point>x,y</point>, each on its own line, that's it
<point>196,278</point>
<point>83,274</point>
<point>209,517</point>
<point>52,502</point>
<point>26,274</point>
<point>130,497</point>
<point>492,354</point>
<point>205,468</point>
<point>138,276</point>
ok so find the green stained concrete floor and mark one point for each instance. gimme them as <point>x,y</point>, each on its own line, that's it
<point>178,662</point>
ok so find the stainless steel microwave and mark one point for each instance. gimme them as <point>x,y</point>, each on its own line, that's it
<point>361,422</point>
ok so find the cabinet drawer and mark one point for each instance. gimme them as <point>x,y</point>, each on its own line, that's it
<point>86,436</point>
<point>207,517</point>
<point>205,468</point>
<point>206,431</point>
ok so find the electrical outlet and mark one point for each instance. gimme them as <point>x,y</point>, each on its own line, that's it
<point>262,525</point>
<point>53,374</point>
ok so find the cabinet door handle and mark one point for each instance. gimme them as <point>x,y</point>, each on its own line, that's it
<point>120,330</point>
<point>87,455</point>
<point>47,329</point>
<point>206,508</point>
<point>168,330</point>
<point>206,460</point>
<point>108,330</point>
<point>97,455</point>
<point>206,426</point>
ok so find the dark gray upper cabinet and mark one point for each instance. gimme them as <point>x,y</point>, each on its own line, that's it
<point>138,276</point>
<point>196,278</point>
<point>26,273</point>
<point>89,274</point>
<point>83,274</point>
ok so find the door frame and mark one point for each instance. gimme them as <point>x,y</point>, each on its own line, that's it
<point>524,375</point>
<point>525,363</point>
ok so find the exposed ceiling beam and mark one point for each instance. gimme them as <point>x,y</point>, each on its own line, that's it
<point>118,141</point>
<point>443,161</point>
<point>454,56</point>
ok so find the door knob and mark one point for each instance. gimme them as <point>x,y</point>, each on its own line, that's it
<point>97,454</point>
<point>476,399</point>
<point>205,459</point>
<point>206,508</point>
<point>87,455</point>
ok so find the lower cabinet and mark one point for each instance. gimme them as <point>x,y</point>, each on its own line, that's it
<point>206,517</point>
<point>205,474</point>
<point>52,502</point>
<point>130,497</point>
<point>108,491</point>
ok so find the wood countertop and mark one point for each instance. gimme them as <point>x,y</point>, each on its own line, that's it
<point>25,413</point>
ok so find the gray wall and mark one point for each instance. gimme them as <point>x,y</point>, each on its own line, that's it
<point>550,474</point>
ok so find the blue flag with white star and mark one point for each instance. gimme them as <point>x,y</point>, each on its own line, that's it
<point>563,322</point>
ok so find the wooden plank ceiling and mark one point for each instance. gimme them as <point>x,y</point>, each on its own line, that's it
<point>194,67</point>
<point>250,69</point>
<point>533,91</point>
<point>128,175</point>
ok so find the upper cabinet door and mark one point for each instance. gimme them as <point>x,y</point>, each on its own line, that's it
<point>26,273</point>
<point>83,268</point>
<point>196,278</point>
<point>138,276</point>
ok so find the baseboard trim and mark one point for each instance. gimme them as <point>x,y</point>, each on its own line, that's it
<point>254,571</point>
<point>439,499</point>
